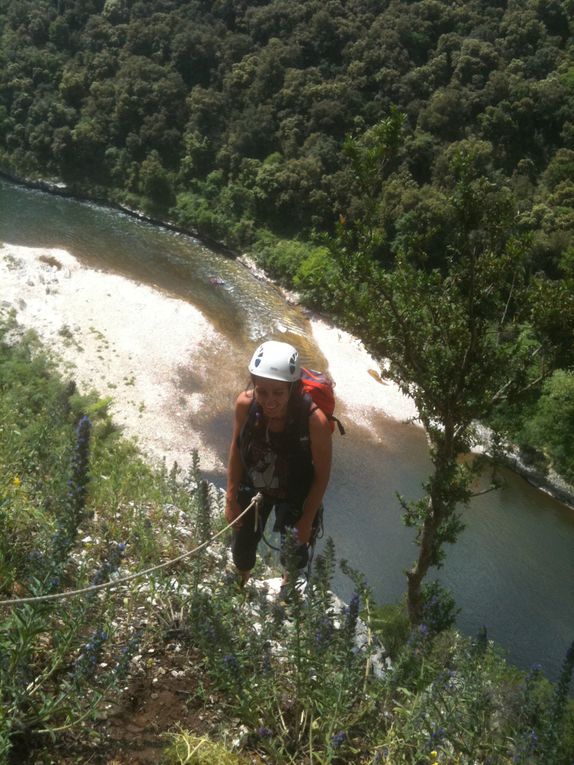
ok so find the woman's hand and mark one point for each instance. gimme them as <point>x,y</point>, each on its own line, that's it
<point>232,510</point>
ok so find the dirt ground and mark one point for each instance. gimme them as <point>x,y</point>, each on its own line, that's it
<point>173,695</point>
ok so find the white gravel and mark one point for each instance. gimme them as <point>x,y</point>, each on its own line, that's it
<point>357,377</point>
<point>124,339</point>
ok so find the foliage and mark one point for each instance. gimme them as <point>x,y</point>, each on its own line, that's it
<point>299,677</point>
<point>71,516</point>
<point>391,622</point>
<point>290,672</point>
<point>307,268</point>
<point>550,427</point>
<point>295,679</point>
<point>48,669</point>
<point>147,101</point>
<point>461,331</point>
<point>188,749</point>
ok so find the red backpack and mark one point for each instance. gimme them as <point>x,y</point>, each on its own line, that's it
<point>321,388</point>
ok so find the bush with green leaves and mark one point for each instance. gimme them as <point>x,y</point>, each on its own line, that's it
<point>551,426</point>
<point>301,265</point>
<point>291,676</point>
<point>298,678</point>
<point>78,506</point>
<point>281,258</point>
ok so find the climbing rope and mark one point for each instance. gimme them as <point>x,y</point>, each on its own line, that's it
<point>122,580</point>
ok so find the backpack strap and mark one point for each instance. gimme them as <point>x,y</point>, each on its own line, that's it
<point>306,409</point>
<point>331,417</point>
<point>246,431</point>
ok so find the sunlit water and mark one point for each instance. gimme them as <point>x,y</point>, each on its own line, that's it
<point>513,567</point>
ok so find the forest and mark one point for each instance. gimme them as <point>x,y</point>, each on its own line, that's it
<point>236,120</point>
<point>408,167</point>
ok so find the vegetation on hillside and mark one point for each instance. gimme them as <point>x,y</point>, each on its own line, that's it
<point>410,168</point>
<point>235,120</point>
<point>230,116</point>
<point>270,683</point>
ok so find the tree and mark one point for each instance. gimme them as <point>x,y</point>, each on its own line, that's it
<point>458,337</point>
<point>155,182</point>
<point>553,422</point>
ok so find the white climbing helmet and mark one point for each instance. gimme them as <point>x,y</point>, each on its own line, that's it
<point>276,361</point>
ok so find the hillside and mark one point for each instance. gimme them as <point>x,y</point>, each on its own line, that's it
<point>182,656</point>
<point>228,117</point>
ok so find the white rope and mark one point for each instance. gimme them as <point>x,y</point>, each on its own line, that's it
<point>122,580</point>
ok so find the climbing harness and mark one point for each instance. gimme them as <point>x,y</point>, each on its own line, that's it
<point>122,580</point>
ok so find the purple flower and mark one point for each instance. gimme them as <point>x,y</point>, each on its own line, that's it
<point>324,633</point>
<point>231,663</point>
<point>338,739</point>
<point>85,664</point>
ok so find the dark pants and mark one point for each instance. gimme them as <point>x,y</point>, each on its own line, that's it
<point>247,536</point>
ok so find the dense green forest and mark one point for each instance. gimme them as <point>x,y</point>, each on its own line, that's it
<point>229,116</point>
<point>232,119</point>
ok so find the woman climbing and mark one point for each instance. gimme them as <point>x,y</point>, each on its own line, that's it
<point>281,447</point>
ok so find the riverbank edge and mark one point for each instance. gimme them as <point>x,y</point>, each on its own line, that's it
<point>79,195</point>
<point>553,484</point>
<point>550,483</point>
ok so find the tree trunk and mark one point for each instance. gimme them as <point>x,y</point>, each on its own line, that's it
<point>438,510</point>
<point>416,575</point>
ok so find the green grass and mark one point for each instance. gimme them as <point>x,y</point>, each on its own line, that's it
<point>290,685</point>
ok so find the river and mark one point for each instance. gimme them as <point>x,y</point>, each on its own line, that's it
<point>512,569</point>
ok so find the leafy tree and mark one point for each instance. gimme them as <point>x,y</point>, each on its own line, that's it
<point>552,424</point>
<point>459,336</point>
<point>155,182</point>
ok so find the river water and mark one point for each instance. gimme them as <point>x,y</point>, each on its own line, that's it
<point>512,569</point>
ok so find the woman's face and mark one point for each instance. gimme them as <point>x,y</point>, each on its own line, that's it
<point>272,396</point>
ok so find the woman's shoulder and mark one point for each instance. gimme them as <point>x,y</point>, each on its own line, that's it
<point>318,419</point>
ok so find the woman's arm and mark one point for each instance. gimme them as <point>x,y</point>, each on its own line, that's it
<point>234,464</point>
<point>321,452</point>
